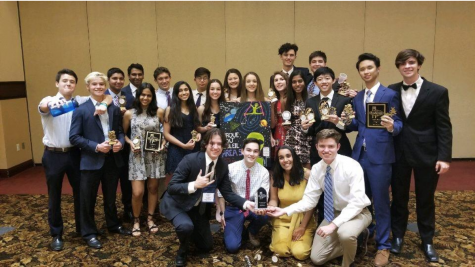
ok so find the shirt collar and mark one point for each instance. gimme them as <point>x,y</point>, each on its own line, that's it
<point>163,92</point>
<point>418,82</point>
<point>330,95</point>
<point>132,87</point>
<point>373,89</point>
<point>245,167</point>
<point>290,71</point>
<point>114,94</point>
<point>334,164</point>
<point>208,160</point>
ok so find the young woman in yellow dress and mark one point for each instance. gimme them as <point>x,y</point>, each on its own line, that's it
<point>291,235</point>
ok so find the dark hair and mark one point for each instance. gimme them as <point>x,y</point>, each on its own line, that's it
<point>113,71</point>
<point>134,66</point>
<point>323,71</point>
<point>206,116</point>
<point>250,140</point>
<point>152,107</point>
<point>209,134</point>
<point>317,54</point>
<point>174,116</point>
<point>201,71</point>
<point>291,95</point>
<point>296,175</point>
<point>68,72</point>
<point>368,56</point>
<point>259,91</point>
<point>272,85</point>
<point>287,47</point>
<point>406,54</point>
<point>159,71</point>
<point>226,84</point>
<point>328,133</point>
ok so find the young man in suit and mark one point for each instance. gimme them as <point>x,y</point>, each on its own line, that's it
<point>115,78</point>
<point>346,215</point>
<point>164,92</point>
<point>191,192</point>
<point>288,55</point>
<point>424,146</point>
<point>100,160</point>
<point>202,76</point>
<point>374,149</point>
<point>135,74</point>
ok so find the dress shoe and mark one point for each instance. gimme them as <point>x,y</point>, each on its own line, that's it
<point>57,243</point>
<point>382,258</point>
<point>180,260</point>
<point>430,252</point>
<point>363,242</point>
<point>254,241</point>
<point>127,217</point>
<point>396,245</point>
<point>121,230</point>
<point>94,243</point>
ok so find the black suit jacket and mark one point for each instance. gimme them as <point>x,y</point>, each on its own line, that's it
<point>306,74</point>
<point>177,200</point>
<point>339,103</point>
<point>426,135</point>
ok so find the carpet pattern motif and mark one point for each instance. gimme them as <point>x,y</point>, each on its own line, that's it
<point>28,244</point>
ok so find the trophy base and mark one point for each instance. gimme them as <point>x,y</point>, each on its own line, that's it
<point>273,100</point>
<point>341,123</point>
<point>286,123</point>
<point>214,125</point>
<point>112,142</point>
<point>311,121</point>
<point>123,109</point>
<point>324,117</point>
<point>343,93</point>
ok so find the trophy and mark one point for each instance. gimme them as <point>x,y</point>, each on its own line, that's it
<point>271,95</point>
<point>122,102</point>
<point>112,138</point>
<point>348,110</point>
<point>344,87</point>
<point>136,142</point>
<point>308,115</point>
<point>286,116</point>
<point>194,136</point>
<point>261,197</point>
<point>374,112</point>
<point>391,113</point>
<point>213,120</point>
<point>324,110</point>
<point>153,141</point>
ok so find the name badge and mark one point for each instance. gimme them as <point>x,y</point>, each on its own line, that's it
<point>208,193</point>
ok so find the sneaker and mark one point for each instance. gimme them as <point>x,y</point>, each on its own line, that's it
<point>382,257</point>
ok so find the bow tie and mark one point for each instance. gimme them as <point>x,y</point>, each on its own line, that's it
<point>405,87</point>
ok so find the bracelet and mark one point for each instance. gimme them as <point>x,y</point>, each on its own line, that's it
<point>103,104</point>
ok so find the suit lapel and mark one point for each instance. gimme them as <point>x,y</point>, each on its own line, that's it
<point>317,105</point>
<point>92,109</point>
<point>379,94</point>
<point>401,107</point>
<point>425,89</point>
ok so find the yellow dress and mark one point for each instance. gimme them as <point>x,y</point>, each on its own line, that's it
<point>284,226</point>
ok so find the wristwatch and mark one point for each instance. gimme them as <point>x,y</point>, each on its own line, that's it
<point>221,213</point>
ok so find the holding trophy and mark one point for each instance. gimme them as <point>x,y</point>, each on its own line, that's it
<point>286,115</point>
<point>212,120</point>
<point>349,116</point>
<point>272,96</point>
<point>112,138</point>
<point>308,115</point>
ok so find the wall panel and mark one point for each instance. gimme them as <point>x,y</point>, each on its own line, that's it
<point>126,33</point>
<point>191,35</point>
<point>55,36</point>
<point>254,33</point>
<point>453,68</point>
<point>10,43</point>
<point>393,26</point>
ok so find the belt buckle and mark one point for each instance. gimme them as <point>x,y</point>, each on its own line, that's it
<point>63,149</point>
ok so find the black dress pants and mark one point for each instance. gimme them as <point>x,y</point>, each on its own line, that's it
<point>56,164</point>
<point>195,227</point>
<point>108,175</point>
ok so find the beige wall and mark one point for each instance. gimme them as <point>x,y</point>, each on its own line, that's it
<point>14,125</point>
<point>246,35</point>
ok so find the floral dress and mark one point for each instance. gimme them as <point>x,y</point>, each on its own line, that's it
<point>295,136</point>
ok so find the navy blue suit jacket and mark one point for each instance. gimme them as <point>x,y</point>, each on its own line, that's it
<point>86,133</point>
<point>129,97</point>
<point>379,142</point>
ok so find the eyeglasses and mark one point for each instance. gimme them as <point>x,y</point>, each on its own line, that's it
<point>202,78</point>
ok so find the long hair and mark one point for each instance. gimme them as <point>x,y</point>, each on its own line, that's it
<point>226,84</point>
<point>286,78</point>
<point>206,116</point>
<point>296,173</point>
<point>152,107</point>
<point>174,116</point>
<point>259,92</point>
<point>291,94</point>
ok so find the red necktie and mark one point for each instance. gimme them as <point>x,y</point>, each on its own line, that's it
<point>248,189</point>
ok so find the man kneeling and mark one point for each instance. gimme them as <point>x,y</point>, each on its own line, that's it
<point>345,201</point>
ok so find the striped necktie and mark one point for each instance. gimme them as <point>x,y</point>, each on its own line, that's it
<point>328,196</point>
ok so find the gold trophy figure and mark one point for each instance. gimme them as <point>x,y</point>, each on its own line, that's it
<point>122,102</point>
<point>272,96</point>
<point>324,110</point>
<point>194,136</point>
<point>391,113</point>
<point>112,138</point>
<point>344,87</point>
<point>136,142</point>
<point>213,120</point>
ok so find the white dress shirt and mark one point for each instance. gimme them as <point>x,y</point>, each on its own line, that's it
<point>191,185</point>
<point>195,96</point>
<point>329,96</point>
<point>348,189</point>
<point>162,97</point>
<point>238,174</point>
<point>409,96</point>
<point>56,129</point>
<point>133,89</point>
<point>104,121</point>
<point>289,72</point>
<point>373,90</point>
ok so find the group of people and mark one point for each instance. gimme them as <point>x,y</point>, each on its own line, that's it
<point>100,139</point>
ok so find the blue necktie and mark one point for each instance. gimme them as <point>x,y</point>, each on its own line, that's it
<point>198,101</point>
<point>328,213</point>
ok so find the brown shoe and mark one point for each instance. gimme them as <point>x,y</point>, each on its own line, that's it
<point>254,241</point>
<point>382,257</point>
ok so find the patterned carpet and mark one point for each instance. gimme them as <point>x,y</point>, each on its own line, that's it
<point>28,244</point>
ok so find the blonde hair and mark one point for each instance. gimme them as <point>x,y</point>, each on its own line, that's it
<point>95,74</point>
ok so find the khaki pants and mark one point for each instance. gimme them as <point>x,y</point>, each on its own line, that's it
<point>342,242</point>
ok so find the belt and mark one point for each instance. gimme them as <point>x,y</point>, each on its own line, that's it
<point>59,149</point>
